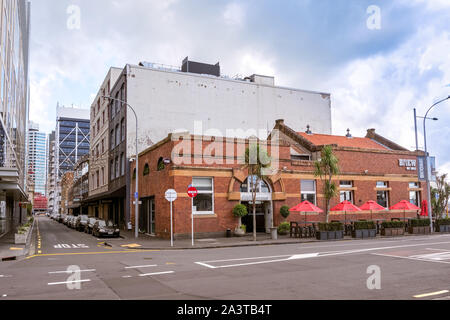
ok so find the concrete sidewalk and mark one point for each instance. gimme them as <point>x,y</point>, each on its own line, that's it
<point>9,250</point>
<point>147,242</point>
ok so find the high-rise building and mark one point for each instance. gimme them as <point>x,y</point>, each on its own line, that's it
<point>14,101</point>
<point>72,138</point>
<point>37,158</point>
<point>51,172</point>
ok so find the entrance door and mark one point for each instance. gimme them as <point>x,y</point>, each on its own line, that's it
<point>151,217</point>
<point>260,219</point>
<point>147,216</point>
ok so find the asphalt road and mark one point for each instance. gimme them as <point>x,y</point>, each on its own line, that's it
<point>415,268</point>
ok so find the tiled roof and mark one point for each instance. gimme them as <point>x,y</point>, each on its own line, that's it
<point>342,141</point>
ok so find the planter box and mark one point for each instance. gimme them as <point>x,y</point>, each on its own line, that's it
<point>329,235</point>
<point>364,233</point>
<point>443,228</point>
<point>419,230</point>
<point>392,231</point>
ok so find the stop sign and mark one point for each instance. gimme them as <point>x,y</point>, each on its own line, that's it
<point>192,192</point>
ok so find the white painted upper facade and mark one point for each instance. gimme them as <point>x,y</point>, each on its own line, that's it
<point>170,101</point>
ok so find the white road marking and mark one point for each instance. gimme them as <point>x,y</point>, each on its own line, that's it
<point>147,266</point>
<point>444,250</point>
<point>4,276</point>
<point>304,256</point>
<point>430,294</point>
<point>5,295</point>
<point>155,274</point>
<point>409,258</point>
<point>126,276</point>
<point>67,282</point>
<point>433,256</point>
<point>53,272</point>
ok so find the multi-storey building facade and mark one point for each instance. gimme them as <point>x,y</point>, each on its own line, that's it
<point>72,138</point>
<point>196,98</point>
<point>79,192</point>
<point>37,159</point>
<point>14,44</point>
<point>51,172</point>
<point>99,148</point>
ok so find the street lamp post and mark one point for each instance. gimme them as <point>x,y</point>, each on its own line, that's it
<point>136,195</point>
<point>427,177</point>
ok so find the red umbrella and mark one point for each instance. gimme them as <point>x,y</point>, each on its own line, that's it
<point>372,205</point>
<point>424,211</point>
<point>345,206</point>
<point>306,207</point>
<point>404,205</point>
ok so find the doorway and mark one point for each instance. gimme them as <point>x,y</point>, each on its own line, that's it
<point>260,216</point>
<point>147,219</point>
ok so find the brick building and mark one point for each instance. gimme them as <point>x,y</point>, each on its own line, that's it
<point>371,168</point>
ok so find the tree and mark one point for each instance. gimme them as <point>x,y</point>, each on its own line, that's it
<point>256,160</point>
<point>326,168</point>
<point>443,191</point>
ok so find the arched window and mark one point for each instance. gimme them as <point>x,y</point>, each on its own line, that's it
<point>161,164</point>
<point>262,186</point>
<point>146,170</point>
<point>134,174</point>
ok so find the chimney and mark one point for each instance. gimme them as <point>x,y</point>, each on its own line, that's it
<point>308,131</point>
<point>348,135</point>
<point>370,133</point>
<point>280,122</point>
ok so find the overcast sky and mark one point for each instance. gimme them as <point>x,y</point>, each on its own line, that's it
<point>375,76</point>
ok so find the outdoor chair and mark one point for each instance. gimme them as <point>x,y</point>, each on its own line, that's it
<point>293,229</point>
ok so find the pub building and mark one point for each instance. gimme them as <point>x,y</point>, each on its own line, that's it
<point>371,168</point>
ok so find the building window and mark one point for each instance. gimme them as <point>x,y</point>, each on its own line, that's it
<point>117,134</point>
<point>382,195</point>
<point>103,117</point>
<point>346,195</point>
<point>103,146</point>
<point>204,202</point>
<point>98,179</point>
<point>247,187</point>
<point>117,167</point>
<point>413,185</point>
<point>111,169</point>
<point>146,170</point>
<point>122,128</point>
<point>414,198</point>
<point>308,190</point>
<point>103,177</point>
<point>134,173</point>
<point>161,164</point>
<point>122,164</point>
<point>112,139</point>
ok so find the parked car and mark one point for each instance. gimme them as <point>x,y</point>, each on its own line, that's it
<point>103,228</point>
<point>62,218</point>
<point>72,222</point>
<point>90,225</point>
<point>81,222</point>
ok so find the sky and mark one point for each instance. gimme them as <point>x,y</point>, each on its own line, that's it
<point>377,59</point>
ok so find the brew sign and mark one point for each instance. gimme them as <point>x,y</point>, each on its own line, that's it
<point>410,165</point>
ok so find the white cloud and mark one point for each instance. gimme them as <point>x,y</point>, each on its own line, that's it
<point>234,14</point>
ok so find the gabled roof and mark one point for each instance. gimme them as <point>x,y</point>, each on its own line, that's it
<point>342,141</point>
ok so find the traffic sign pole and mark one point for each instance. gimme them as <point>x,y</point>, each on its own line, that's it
<point>171,196</point>
<point>171,225</point>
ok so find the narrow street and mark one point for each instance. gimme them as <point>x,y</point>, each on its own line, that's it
<point>411,268</point>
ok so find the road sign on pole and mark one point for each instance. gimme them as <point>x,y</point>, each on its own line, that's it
<point>192,193</point>
<point>171,196</point>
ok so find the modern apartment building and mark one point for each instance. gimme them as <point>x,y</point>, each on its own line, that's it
<point>99,151</point>
<point>72,138</point>
<point>198,99</point>
<point>37,159</point>
<point>14,101</point>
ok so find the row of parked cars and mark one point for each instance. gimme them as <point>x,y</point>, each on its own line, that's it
<point>83,223</point>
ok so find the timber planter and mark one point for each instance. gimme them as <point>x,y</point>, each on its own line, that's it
<point>393,228</point>
<point>330,231</point>
<point>364,230</point>
<point>420,226</point>
<point>443,225</point>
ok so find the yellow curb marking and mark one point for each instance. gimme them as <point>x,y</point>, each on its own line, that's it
<point>16,249</point>
<point>170,263</point>
<point>88,253</point>
<point>430,294</point>
<point>133,245</point>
